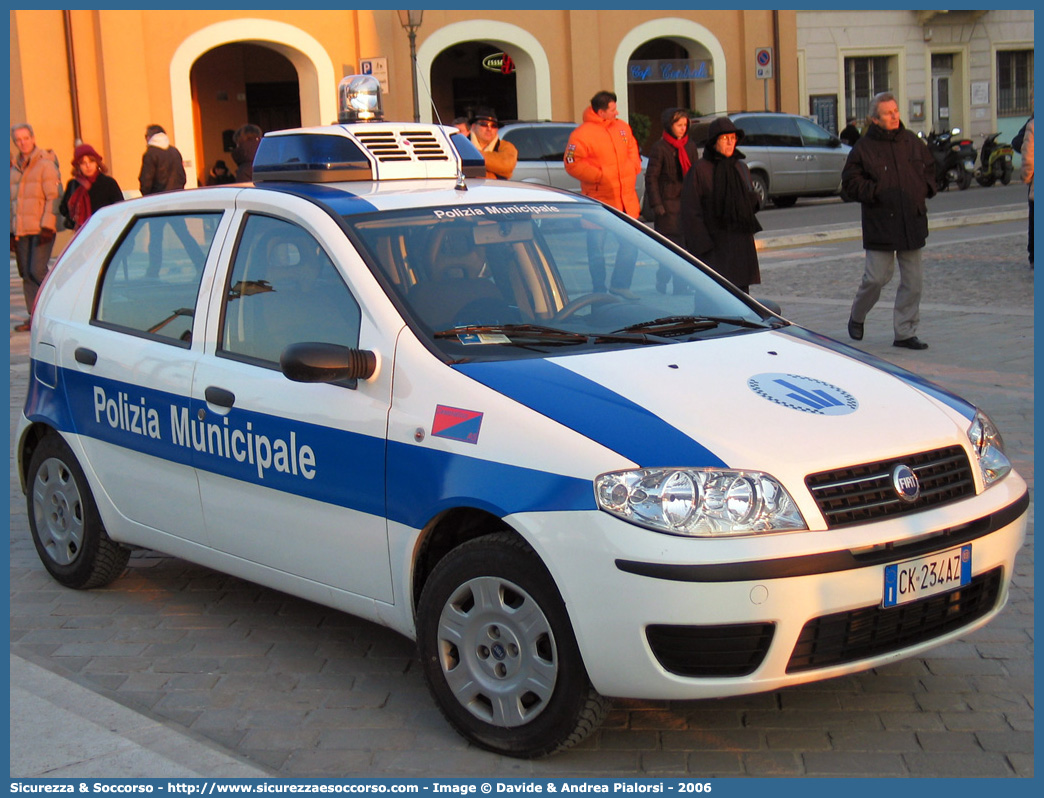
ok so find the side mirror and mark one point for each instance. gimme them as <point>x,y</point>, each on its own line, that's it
<point>835,142</point>
<point>322,362</point>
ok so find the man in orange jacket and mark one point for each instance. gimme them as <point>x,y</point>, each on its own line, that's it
<point>603,155</point>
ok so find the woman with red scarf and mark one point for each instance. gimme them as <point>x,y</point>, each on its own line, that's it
<point>89,190</point>
<point>669,159</point>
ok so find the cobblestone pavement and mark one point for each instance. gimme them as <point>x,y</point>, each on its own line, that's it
<point>301,690</point>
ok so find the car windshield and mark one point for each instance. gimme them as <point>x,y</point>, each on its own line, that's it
<point>518,280</point>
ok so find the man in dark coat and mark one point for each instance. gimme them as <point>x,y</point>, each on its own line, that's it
<point>891,173</point>
<point>161,166</point>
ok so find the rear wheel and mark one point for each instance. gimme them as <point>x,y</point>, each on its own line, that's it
<point>985,179</point>
<point>498,652</point>
<point>964,179</point>
<point>67,531</point>
<point>1006,175</point>
<point>760,188</point>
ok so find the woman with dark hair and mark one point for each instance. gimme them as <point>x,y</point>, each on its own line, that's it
<point>718,206</point>
<point>670,159</point>
<point>90,188</point>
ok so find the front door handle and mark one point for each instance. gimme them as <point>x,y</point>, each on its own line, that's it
<point>219,396</point>
<point>86,356</point>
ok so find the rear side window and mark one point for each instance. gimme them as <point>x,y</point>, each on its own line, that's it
<point>769,131</point>
<point>151,282</point>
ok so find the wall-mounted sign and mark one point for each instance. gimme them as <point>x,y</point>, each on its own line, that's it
<point>499,62</point>
<point>378,67</point>
<point>668,71</point>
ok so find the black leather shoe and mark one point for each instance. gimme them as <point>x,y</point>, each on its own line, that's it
<point>855,329</point>
<point>910,343</point>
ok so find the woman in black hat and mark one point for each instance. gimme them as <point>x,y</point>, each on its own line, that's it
<point>718,204</point>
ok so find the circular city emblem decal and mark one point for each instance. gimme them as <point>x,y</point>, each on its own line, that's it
<point>907,486</point>
<point>806,394</point>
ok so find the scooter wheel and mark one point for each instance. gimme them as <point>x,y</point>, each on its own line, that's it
<point>1006,177</point>
<point>985,180</point>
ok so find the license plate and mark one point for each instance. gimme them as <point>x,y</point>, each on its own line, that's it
<point>926,576</point>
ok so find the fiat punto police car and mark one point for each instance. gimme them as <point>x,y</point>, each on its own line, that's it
<point>377,383</point>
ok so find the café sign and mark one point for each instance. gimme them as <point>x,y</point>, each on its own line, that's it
<point>499,62</point>
<point>668,70</point>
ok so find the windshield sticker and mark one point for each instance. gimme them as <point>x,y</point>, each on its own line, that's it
<point>493,210</point>
<point>456,424</point>
<point>484,338</point>
<point>806,394</point>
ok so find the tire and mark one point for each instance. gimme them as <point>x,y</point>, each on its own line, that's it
<point>1006,175</point>
<point>986,179</point>
<point>498,652</point>
<point>964,179</point>
<point>788,201</point>
<point>760,184</point>
<point>67,531</point>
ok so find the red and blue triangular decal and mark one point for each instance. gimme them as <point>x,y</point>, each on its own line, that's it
<point>456,424</point>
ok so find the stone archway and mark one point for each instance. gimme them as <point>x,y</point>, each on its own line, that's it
<point>315,73</point>
<point>533,71</point>
<point>678,30</point>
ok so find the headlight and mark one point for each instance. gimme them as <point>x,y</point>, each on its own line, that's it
<point>698,502</point>
<point>988,446</point>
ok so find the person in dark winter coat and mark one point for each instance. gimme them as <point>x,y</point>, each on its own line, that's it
<point>219,174</point>
<point>718,206</point>
<point>246,140</point>
<point>891,173</point>
<point>162,168</point>
<point>90,189</point>
<point>670,159</point>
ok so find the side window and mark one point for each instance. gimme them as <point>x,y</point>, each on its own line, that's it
<point>753,131</point>
<point>283,289</point>
<point>151,282</point>
<point>781,131</point>
<point>527,142</point>
<point>555,140</point>
<point>813,135</point>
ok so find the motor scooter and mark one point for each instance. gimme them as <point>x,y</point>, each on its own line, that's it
<point>954,159</point>
<point>994,162</point>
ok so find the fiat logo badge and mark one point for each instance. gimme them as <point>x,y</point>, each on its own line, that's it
<point>905,482</point>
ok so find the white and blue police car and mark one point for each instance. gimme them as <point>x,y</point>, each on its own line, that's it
<point>378,381</point>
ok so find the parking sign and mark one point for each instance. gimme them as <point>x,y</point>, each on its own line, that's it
<point>763,63</point>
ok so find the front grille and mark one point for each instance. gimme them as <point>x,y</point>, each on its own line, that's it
<point>862,493</point>
<point>872,631</point>
<point>708,651</point>
<point>394,145</point>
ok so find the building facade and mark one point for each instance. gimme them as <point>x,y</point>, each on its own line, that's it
<point>102,76</point>
<point>966,69</point>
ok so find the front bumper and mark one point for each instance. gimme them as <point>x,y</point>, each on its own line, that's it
<point>662,617</point>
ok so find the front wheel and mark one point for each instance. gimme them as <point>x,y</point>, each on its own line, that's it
<point>67,531</point>
<point>498,652</point>
<point>985,178</point>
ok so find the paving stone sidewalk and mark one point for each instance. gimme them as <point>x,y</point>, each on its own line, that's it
<point>268,682</point>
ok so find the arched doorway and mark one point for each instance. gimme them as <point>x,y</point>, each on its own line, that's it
<point>238,83</point>
<point>690,71</point>
<point>473,74</point>
<point>532,73</point>
<point>316,78</point>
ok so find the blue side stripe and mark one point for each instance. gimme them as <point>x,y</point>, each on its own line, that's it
<point>948,398</point>
<point>342,468</point>
<point>592,410</point>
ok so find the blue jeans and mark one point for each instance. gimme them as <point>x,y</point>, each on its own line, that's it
<point>32,256</point>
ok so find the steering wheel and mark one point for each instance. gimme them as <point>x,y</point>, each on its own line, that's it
<point>582,302</point>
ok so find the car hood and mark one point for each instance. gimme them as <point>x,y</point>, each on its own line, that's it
<point>787,402</point>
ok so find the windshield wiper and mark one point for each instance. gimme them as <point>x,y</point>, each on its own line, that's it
<point>550,335</point>
<point>680,325</point>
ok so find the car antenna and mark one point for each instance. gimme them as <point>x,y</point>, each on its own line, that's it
<point>461,184</point>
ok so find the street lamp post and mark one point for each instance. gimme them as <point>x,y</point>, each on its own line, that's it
<point>411,21</point>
